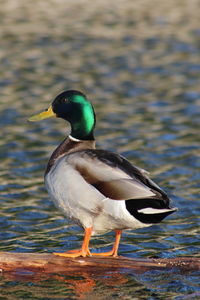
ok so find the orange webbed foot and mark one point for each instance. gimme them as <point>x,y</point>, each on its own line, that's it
<point>84,251</point>
<point>74,253</point>
<point>109,253</point>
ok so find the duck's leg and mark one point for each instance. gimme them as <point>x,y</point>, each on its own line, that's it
<point>114,250</point>
<point>84,251</point>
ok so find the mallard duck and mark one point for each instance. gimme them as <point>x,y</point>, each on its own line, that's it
<point>99,189</point>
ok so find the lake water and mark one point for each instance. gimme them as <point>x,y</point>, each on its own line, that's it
<point>139,64</point>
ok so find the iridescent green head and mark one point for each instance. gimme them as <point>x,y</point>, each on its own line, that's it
<point>73,107</point>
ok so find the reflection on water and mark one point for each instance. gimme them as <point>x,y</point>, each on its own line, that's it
<point>140,67</point>
<point>99,286</point>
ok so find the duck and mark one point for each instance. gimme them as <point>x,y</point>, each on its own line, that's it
<point>98,189</point>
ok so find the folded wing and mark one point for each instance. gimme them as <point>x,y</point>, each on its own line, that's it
<point>117,179</point>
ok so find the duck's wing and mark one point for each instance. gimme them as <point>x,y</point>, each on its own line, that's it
<point>115,177</point>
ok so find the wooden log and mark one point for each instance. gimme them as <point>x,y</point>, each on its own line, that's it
<point>50,264</point>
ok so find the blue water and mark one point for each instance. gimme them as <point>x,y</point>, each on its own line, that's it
<point>142,75</point>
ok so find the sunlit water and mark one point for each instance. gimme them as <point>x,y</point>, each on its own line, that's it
<point>140,68</point>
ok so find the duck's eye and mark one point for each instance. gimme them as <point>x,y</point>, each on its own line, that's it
<point>65,100</point>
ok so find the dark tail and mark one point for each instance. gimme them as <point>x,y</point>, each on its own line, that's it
<point>149,211</point>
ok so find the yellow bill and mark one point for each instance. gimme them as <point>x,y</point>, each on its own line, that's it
<point>43,115</point>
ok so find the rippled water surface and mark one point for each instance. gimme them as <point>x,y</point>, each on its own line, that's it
<point>140,68</point>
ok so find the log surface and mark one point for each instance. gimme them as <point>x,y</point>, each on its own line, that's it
<point>49,263</point>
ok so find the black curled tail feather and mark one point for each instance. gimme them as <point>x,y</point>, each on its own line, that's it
<point>137,209</point>
<point>150,218</point>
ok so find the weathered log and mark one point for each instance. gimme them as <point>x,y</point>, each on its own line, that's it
<point>50,264</point>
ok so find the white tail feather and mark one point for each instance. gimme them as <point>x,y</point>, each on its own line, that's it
<point>151,211</point>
